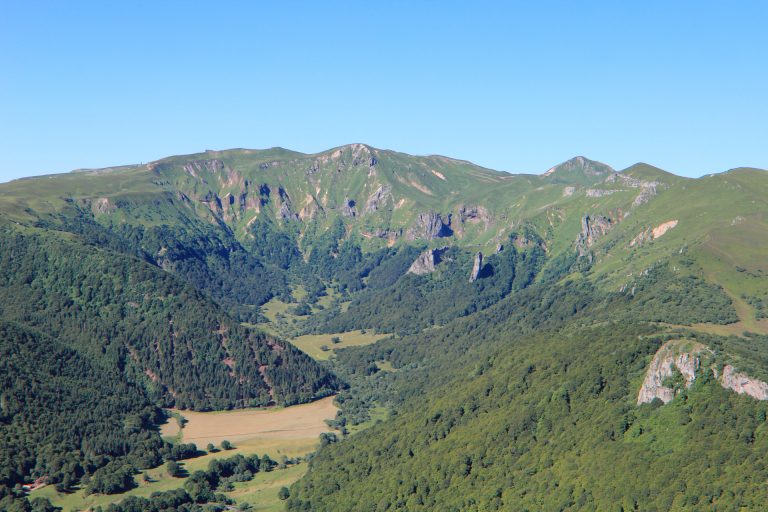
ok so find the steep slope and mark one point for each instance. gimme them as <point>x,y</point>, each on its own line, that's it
<point>523,406</point>
<point>713,227</point>
<point>45,384</point>
<point>129,315</point>
<point>98,340</point>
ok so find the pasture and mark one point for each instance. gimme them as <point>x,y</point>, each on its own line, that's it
<point>312,344</point>
<point>282,431</point>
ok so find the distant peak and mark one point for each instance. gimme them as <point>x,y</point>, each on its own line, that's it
<point>356,147</point>
<point>644,171</point>
<point>581,165</point>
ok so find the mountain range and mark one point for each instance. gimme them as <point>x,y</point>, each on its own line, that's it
<point>581,339</point>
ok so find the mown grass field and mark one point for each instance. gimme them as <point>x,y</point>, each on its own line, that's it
<point>305,421</point>
<point>311,343</point>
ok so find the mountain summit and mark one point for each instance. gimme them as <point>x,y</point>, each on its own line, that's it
<point>579,170</point>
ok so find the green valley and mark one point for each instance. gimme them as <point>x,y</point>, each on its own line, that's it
<point>464,339</point>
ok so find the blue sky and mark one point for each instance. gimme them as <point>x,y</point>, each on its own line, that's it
<point>513,86</point>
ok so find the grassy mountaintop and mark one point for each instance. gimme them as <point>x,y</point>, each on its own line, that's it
<point>385,198</point>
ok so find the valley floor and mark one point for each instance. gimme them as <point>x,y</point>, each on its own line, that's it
<point>285,432</point>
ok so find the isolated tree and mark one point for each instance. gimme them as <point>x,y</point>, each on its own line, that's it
<point>283,493</point>
<point>173,468</point>
<point>226,445</point>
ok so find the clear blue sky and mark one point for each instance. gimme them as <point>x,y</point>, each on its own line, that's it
<point>512,86</point>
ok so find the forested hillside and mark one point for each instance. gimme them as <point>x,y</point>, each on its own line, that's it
<point>531,406</point>
<point>523,317</point>
<point>98,341</point>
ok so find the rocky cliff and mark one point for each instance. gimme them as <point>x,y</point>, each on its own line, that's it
<point>476,267</point>
<point>743,384</point>
<point>428,226</point>
<point>673,358</point>
<point>592,228</point>
<point>676,365</point>
<point>426,262</point>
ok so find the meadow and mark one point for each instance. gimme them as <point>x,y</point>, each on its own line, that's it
<point>313,344</point>
<point>280,432</point>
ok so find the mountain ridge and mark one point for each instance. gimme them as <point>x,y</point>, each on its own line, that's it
<point>169,274</point>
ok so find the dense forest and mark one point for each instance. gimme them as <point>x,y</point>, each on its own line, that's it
<point>519,316</point>
<point>530,405</point>
<point>94,342</point>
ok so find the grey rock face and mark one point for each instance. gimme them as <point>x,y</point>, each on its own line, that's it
<point>599,192</point>
<point>285,212</point>
<point>592,228</point>
<point>686,357</point>
<point>628,181</point>
<point>428,226</point>
<point>474,214</point>
<point>476,266</point>
<point>378,198</point>
<point>665,362</point>
<point>646,194</point>
<point>426,262</point>
<point>743,384</point>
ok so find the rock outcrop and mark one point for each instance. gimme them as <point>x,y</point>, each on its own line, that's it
<point>378,198</point>
<point>474,214</point>
<point>743,384</point>
<point>476,267</point>
<point>670,358</point>
<point>428,226</point>
<point>646,194</point>
<point>685,357</point>
<point>311,210</point>
<point>285,211</point>
<point>197,167</point>
<point>663,228</point>
<point>102,205</point>
<point>600,192</point>
<point>648,189</point>
<point>643,237</point>
<point>522,242</point>
<point>649,234</point>
<point>592,228</point>
<point>625,180</point>
<point>426,262</point>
